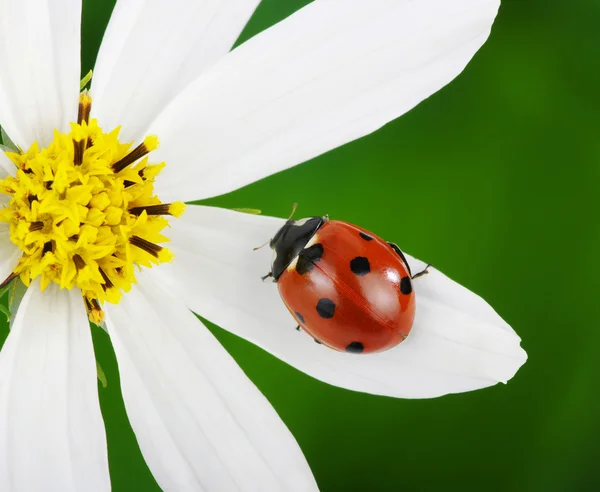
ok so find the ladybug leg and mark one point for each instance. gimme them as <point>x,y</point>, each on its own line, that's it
<point>425,271</point>
<point>298,328</point>
<point>270,274</point>
<point>401,255</point>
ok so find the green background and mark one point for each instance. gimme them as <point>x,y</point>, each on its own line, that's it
<point>494,180</point>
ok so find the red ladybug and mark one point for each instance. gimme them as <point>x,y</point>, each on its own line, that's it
<point>346,287</point>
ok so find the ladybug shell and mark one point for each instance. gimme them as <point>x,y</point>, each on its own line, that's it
<point>350,290</point>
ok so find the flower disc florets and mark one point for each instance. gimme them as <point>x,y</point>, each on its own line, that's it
<point>84,213</point>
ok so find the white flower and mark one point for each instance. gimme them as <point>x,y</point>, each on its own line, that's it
<point>333,72</point>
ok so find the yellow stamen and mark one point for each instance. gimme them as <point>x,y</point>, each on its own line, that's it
<point>175,209</point>
<point>94,310</point>
<point>150,143</point>
<point>85,107</point>
<point>84,213</point>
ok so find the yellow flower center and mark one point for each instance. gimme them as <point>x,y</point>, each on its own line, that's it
<point>84,213</point>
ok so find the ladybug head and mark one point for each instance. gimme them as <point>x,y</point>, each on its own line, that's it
<point>290,240</point>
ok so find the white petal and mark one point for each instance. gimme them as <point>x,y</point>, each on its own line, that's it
<point>200,423</point>
<point>39,69</point>
<point>9,252</point>
<point>51,430</point>
<point>458,343</point>
<point>152,49</point>
<point>6,167</point>
<point>333,72</point>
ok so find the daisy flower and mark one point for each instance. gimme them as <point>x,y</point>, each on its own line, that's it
<point>96,187</point>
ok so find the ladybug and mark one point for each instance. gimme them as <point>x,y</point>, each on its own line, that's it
<point>346,287</point>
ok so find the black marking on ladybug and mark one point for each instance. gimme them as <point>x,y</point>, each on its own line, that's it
<point>360,266</point>
<point>401,255</point>
<point>290,240</point>
<point>299,316</point>
<point>366,237</point>
<point>308,257</point>
<point>355,348</point>
<point>405,285</point>
<point>325,307</point>
<point>317,341</point>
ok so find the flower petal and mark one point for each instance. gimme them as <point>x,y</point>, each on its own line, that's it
<point>39,72</point>
<point>152,50</point>
<point>51,430</point>
<point>333,72</point>
<point>9,252</point>
<point>200,423</point>
<point>457,343</point>
<point>6,167</point>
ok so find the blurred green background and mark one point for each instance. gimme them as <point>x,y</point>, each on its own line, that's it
<point>494,180</point>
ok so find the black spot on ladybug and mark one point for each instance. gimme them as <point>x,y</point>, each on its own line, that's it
<point>405,285</point>
<point>299,316</point>
<point>325,308</point>
<point>360,265</point>
<point>308,257</point>
<point>355,348</point>
<point>366,237</point>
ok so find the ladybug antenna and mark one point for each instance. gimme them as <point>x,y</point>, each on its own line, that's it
<point>261,246</point>
<point>294,207</point>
